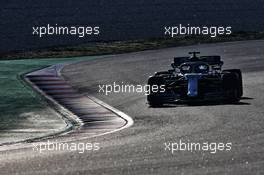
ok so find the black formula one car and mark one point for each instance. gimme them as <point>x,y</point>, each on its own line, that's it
<point>195,78</point>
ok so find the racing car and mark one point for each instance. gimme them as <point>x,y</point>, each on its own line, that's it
<point>195,78</point>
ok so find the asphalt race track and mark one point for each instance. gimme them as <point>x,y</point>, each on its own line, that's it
<point>140,149</point>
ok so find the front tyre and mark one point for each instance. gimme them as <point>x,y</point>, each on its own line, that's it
<point>154,98</point>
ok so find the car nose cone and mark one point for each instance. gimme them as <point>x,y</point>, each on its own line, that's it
<point>192,84</point>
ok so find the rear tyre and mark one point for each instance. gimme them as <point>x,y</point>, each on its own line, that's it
<point>232,85</point>
<point>240,79</point>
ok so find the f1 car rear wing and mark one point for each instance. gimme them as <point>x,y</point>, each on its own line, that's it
<point>211,60</point>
